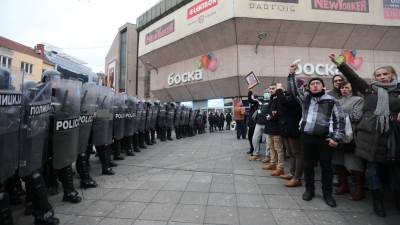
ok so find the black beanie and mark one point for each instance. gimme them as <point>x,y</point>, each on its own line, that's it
<point>316,78</point>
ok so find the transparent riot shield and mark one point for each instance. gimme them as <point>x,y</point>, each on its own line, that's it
<point>170,116</point>
<point>10,121</point>
<point>130,115</point>
<point>154,116</point>
<point>101,130</point>
<point>66,102</point>
<point>35,126</point>
<point>142,113</point>
<point>89,97</point>
<point>119,109</point>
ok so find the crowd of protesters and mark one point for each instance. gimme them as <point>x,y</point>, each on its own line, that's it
<point>351,131</point>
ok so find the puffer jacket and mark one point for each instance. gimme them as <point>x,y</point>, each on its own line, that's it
<point>371,144</point>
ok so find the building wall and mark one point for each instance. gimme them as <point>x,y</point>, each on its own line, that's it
<point>38,64</point>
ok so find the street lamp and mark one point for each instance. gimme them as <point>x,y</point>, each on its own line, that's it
<point>260,36</point>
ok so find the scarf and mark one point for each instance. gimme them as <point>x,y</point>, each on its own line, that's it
<point>382,110</point>
<point>318,95</point>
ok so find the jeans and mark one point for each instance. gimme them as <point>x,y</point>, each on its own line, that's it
<point>240,129</point>
<point>257,136</point>
<point>316,149</point>
<point>374,174</point>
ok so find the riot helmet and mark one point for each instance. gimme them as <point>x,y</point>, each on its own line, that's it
<point>49,75</point>
<point>5,79</point>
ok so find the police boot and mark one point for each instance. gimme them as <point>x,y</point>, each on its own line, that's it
<point>377,201</point>
<point>141,141</point>
<point>40,206</point>
<point>66,177</point>
<point>116,147</point>
<point>82,167</point>
<point>14,189</point>
<point>169,133</point>
<point>153,137</point>
<point>129,146</point>
<point>46,219</point>
<point>147,138</point>
<point>163,134</point>
<point>50,178</point>
<point>105,165</point>
<point>5,211</point>
<point>135,143</point>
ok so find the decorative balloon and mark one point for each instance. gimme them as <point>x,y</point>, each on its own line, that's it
<point>208,61</point>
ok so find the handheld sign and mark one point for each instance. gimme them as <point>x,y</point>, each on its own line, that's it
<point>252,80</point>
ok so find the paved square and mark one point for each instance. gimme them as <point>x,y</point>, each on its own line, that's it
<point>202,180</point>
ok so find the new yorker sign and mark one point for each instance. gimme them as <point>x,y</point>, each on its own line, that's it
<point>341,5</point>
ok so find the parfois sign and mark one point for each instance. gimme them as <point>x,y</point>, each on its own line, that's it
<point>341,5</point>
<point>274,5</point>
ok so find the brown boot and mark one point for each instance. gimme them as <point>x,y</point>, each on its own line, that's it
<point>269,167</point>
<point>278,172</point>
<point>358,193</point>
<point>254,158</point>
<point>286,176</point>
<point>294,182</point>
<point>343,182</point>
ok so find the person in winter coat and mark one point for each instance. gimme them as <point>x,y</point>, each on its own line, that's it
<point>211,121</point>
<point>221,121</point>
<point>317,141</point>
<point>289,118</point>
<point>239,117</point>
<point>251,123</point>
<point>336,81</point>
<point>344,158</point>
<point>381,108</point>
<point>260,120</point>
<point>228,120</point>
<point>272,129</point>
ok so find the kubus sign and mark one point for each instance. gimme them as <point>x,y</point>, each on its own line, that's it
<point>317,69</point>
<point>175,78</point>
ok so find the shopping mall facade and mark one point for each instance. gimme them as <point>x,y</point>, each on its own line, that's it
<point>203,49</point>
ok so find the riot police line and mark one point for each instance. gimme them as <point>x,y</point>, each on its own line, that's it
<point>47,126</point>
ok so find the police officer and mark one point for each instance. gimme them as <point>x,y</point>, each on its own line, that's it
<point>142,110</point>
<point>119,109</point>
<point>153,123</point>
<point>64,132</point>
<point>135,137</point>
<point>88,110</point>
<point>130,125</point>
<point>177,122</point>
<point>102,129</point>
<point>170,119</point>
<point>161,122</point>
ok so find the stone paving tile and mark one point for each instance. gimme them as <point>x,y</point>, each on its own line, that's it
<point>152,185</point>
<point>157,211</point>
<point>179,223</point>
<point>168,196</point>
<point>189,213</point>
<point>99,208</point>
<point>94,193</point>
<point>222,199</point>
<point>245,200</point>
<point>117,195</point>
<point>316,204</point>
<point>222,188</point>
<point>281,202</point>
<point>325,217</point>
<point>272,189</point>
<point>85,220</point>
<point>255,216</point>
<point>221,215</point>
<point>194,198</point>
<point>198,186</point>
<point>116,221</point>
<point>291,217</point>
<point>128,210</point>
<point>76,209</point>
<point>149,222</point>
<point>175,186</point>
<point>142,196</point>
<point>245,188</point>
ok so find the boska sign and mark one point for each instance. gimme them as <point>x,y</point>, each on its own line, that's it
<point>175,79</point>
<point>319,69</point>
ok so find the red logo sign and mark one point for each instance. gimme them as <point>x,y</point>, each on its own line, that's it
<point>391,9</point>
<point>160,32</point>
<point>201,7</point>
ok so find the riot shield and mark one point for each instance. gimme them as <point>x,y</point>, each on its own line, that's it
<point>149,114</point>
<point>101,130</point>
<point>66,102</point>
<point>178,114</point>
<point>35,126</point>
<point>154,116</point>
<point>170,116</point>
<point>191,118</point>
<point>141,113</point>
<point>161,122</point>
<point>119,109</point>
<point>130,115</point>
<point>88,109</point>
<point>10,119</point>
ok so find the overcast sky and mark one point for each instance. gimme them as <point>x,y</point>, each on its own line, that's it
<point>84,29</point>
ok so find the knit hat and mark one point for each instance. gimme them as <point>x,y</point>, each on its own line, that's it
<point>316,78</point>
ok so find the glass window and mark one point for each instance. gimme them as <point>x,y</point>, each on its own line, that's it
<point>122,61</point>
<point>5,61</point>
